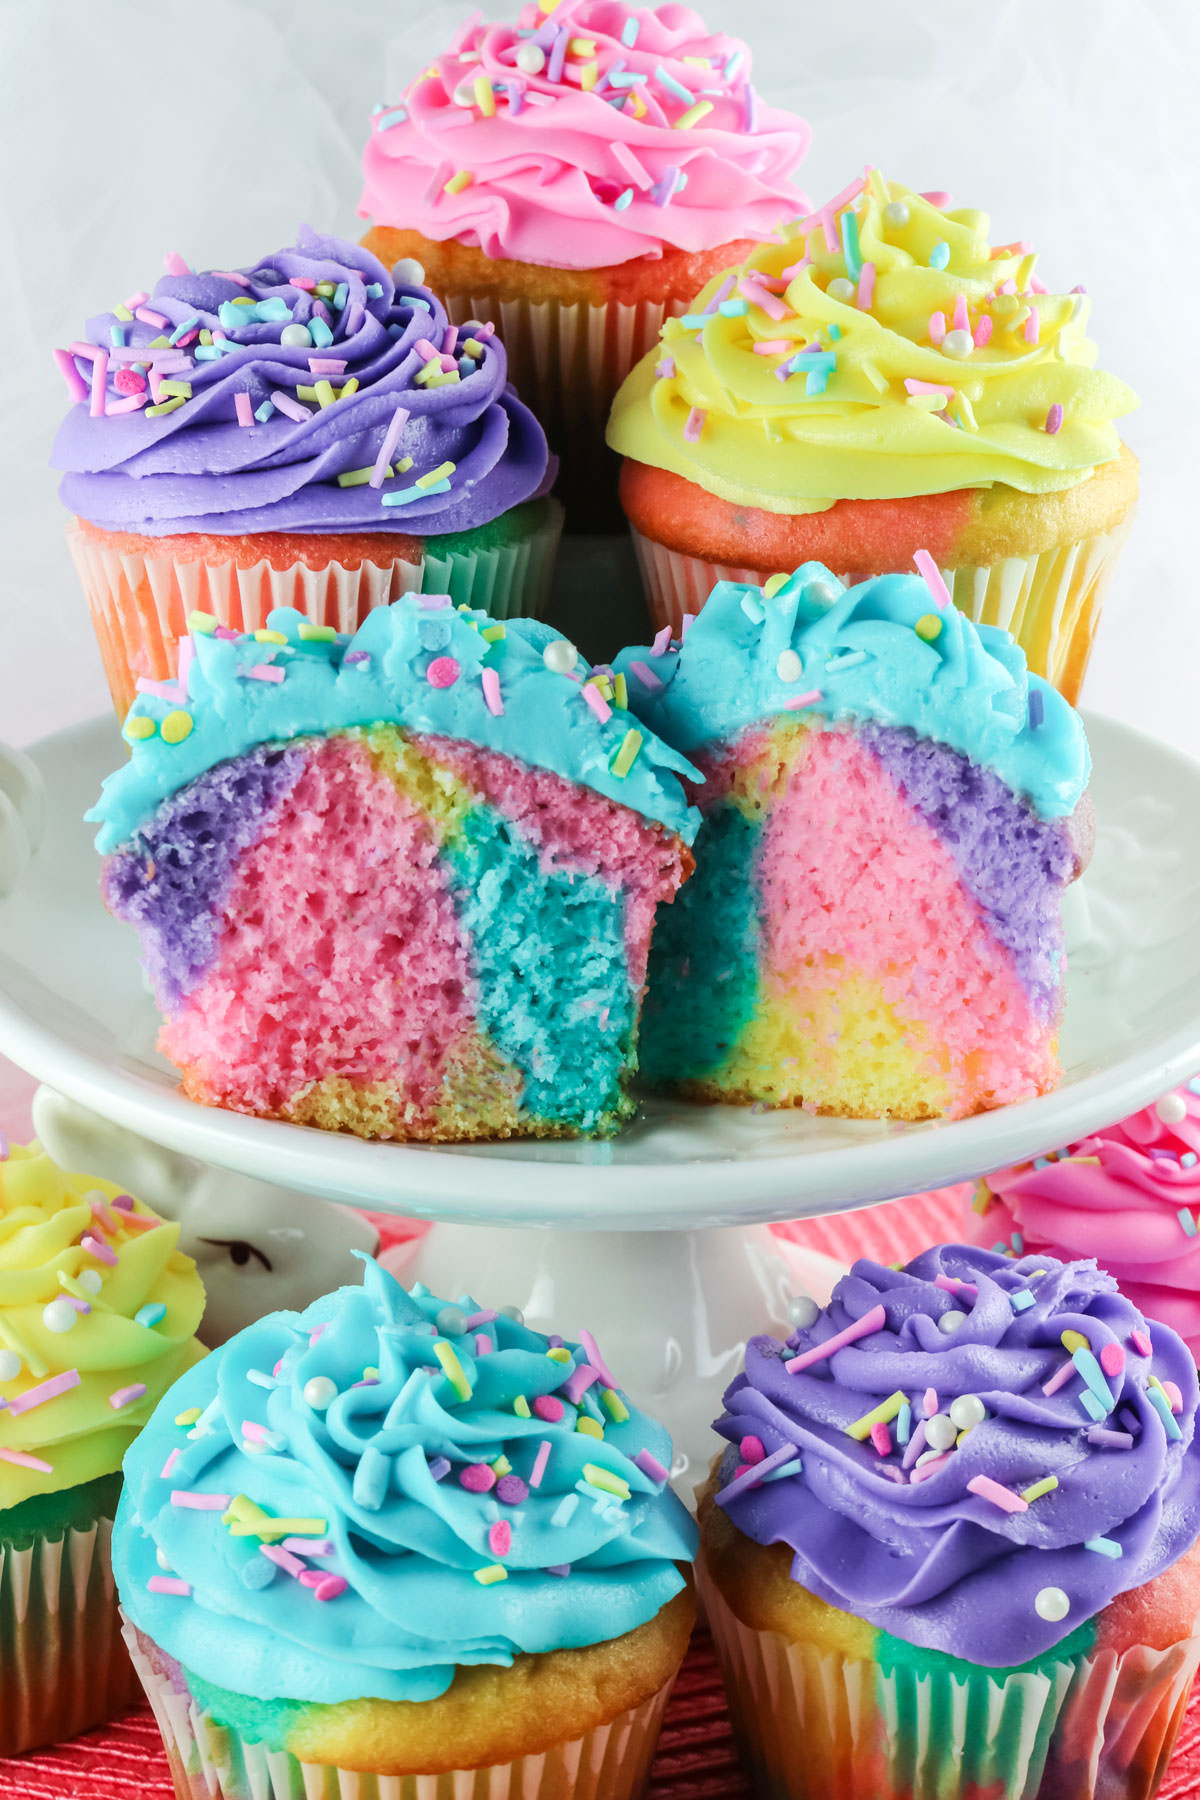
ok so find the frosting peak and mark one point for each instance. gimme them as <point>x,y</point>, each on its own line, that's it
<point>881,650</point>
<point>585,136</point>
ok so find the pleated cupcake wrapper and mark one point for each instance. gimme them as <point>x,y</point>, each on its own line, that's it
<point>211,1762</point>
<point>1050,602</point>
<point>816,1723</point>
<point>140,603</point>
<point>567,360</point>
<point>62,1665</point>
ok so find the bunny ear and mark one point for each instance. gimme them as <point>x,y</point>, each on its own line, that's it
<point>82,1142</point>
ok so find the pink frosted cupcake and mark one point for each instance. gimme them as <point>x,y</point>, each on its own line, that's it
<point>1128,1195</point>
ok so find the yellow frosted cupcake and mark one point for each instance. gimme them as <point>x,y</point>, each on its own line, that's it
<point>884,382</point>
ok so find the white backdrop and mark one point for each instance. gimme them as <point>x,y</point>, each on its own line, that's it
<point>214,130</point>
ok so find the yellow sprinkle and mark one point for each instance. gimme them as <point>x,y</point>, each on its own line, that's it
<point>501,1466</point>
<point>588,76</point>
<point>202,622</point>
<point>348,387</point>
<point>473,345</point>
<point>11,1336</point>
<point>981,1200</point>
<point>693,115</point>
<point>326,289</point>
<point>403,466</point>
<point>205,335</point>
<point>317,634</point>
<point>447,379</point>
<point>435,475</point>
<point>626,756</point>
<point>370,1373</point>
<point>605,1480</point>
<point>159,343</point>
<point>492,634</point>
<point>965,411</point>
<point>358,477</point>
<point>176,726</point>
<point>772,585</point>
<point>878,1415</point>
<point>639,105</point>
<point>243,300</point>
<point>264,636</point>
<point>264,1526</point>
<point>458,182</point>
<point>1074,1340</point>
<point>485,98</point>
<point>559,1354</point>
<point>453,1369</point>
<point>878,186</point>
<point>138,726</point>
<point>547,6</point>
<point>582,47</point>
<point>588,1426</point>
<point>493,1573</point>
<point>602,685</point>
<point>521,1407</point>
<point>189,1417</point>
<point>164,406</point>
<point>928,626</point>
<point>241,1507</point>
<point>877,381</point>
<point>1046,1485</point>
<point>69,1285</point>
<point>620,693</point>
<point>324,392</point>
<point>182,388</point>
<point>122,312</point>
<point>305,393</point>
<point>614,1405</point>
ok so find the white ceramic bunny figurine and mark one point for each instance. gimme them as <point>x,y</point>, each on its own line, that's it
<point>257,1247</point>
<point>22,816</point>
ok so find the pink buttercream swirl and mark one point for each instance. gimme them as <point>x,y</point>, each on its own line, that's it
<point>641,128</point>
<point>1129,1196</point>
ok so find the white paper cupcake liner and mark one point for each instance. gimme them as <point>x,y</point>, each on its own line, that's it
<point>1050,602</point>
<point>813,1724</point>
<point>62,1665</point>
<point>140,603</point>
<point>211,1762</point>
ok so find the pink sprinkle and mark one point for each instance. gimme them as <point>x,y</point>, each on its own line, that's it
<point>99,383</point>
<point>650,1465</point>
<point>595,699</point>
<point>929,387</point>
<point>548,1407</point>
<point>500,1538</point>
<point>597,1361</point>
<point>938,198</point>
<point>256,1433</point>
<point>933,578</point>
<point>794,269</point>
<point>539,1463</point>
<point>983,331</point>
<point>483,1344</point>
<point>1174,1397</point>
<point>962,321</point>
<point>302,281</point>
<point>953,1285</point>
<point>931,1468</point>
<point>1007,287</point>
<point>801,700</point>
<point>937,327</point>
<point>331,1587</point>
<point>130,403</point>
<point>866,287</point>
<point>170,1464</point>
<point>773,347</point>
<point>481,1318</point>
<point>327,365</point>
<point>442,672</point>
<point>477,1478</point>
<point>243,408</point>
<point>491,692</point>
<point>664,369</point>
<point>282,1558</point>
<point>193,1501</point>
<point>289,407</point>
<point>1112,1359</point>
<point>1032,326</point>
<point>1054,419</point>
<point>449,340</point>
<point>1141,1343</point>
<point>140,1221</point>
<point>662,642</point>
<point>45,1390</point>
<point>694,425</point>
<point>162,690</point>
<point>127,1395</point>
<point>77,387</point>
<point>752,289</point>
<point>265,672</point>
<point>128,381</point>
<point>136,300</point>
<point>187,651</point>
<point>174,264</point>
<point>872,1321</point>
<point>752,1449</point>
<point>685,625</point>
<point>1003,1497</point>
<point>1060,1378</point>
<point>581,1379</point>
<point>234,275</point>
<point>21,1460</point>
<point>95,1248</point>
<point>429,351</point>
<point>881,1437</point>
<point>168,1584</point>
<point>151,318</point>
<point>931,1402</point>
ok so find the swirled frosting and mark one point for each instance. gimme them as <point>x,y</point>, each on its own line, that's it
<point>98,1314</point>
<point>195,409</point>
<point>1128,1195</point>
<point>946,1553</point>
<point>517,688</point>
<point>589,134</point>
<point>884,351</point>
<point>432,1468</point>
<point>880,650</point>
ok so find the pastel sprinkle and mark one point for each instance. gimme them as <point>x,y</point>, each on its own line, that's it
<point>1046,1485</point>
<point>539,1463</point>
<point>871,1321</point>
<point>1054,419</point>
<point>457,182</point>
<point>626,754</point>
<point>127,1395</point>
<point>881,1438</point>
<point>1021,1300</point>
<point>94,1247</point>
<point>151,1314</point>
<point>45,1390</point>
<point>939,256</point>
<point>500,1538</point>
<point>693,115</point>
<point>188,1417</point>
<point>932,577</point>
<point>1141,1343</point>
<point>192,1500</point>
<point>1112,1440</point>
<point>885,1411</point>
<point>694,425</point>
<point>1000,1496</point>
<point>650,1465</point>
<point>489,1576</point>
<point>453,1370</point>
<point>606,1481</point>
<point>1104,1546</point>
<point>167,1584</point>
<point>1112,1359</point>
<point>1186,1221</point>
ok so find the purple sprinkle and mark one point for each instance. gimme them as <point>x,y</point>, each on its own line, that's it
<point>650,1465</point>
<point>559,1569</point>
<point>511,1490</point>
<point>1130,1421</point>
<point>555,1343</point>
<point>757,1472</point>
<point>439,1468</point>
<point>357,656</point>
<point>1115,1440</point>
<point>750,113</point>
<point>558,55</point>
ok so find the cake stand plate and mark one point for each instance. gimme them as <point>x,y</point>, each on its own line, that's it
<point>73,1011</point>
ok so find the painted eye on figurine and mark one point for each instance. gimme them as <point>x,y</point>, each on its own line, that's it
<point>240,1252</point>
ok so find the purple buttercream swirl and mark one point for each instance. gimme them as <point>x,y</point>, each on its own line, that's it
<point>922,1556</point>
<point>199,467</point>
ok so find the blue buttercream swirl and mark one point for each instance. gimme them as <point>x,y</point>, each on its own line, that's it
<point>856,653</point>
<point>372,1479</point>
<point>388,673</point>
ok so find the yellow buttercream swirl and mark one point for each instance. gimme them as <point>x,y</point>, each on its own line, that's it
<point>63,1239</point>
<point>878,321</point>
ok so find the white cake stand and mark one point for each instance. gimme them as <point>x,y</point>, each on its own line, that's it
<point>657,1241</point>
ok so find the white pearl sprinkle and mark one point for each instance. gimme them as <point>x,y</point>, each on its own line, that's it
<point>451,1321</point>
<point>802,1312</point>
<point>10,1365</point>
<point>464,94</point>
<point>296,336</point>
<point>896,212</point>
<point>59,1315</point>
<point>1052,1604</point>
<point>530,59</point>
<point>408,272</point>
<point>560,657</point>
<point>512,1312</point>
<point>1172,1109</point>
<point>951,1322</point>
<point>841,289</point>
<point>958,344</point>
<point>320,1392</point>
<point>162,1559</point>
<point>940,1432</point>
<point>90,1280</point>
<point>967,1411</point>
<point>823,590</point>
<point>789,667</point>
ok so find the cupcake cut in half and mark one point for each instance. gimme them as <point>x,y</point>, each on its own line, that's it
<point>577,174</point>
<point>306,432</point>
<point>402,884</point>
<point>951,1548</point>
<point>98,1315</point>
<point>409,1540</point>
<point>884,380</point>
<point>893,808</point>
